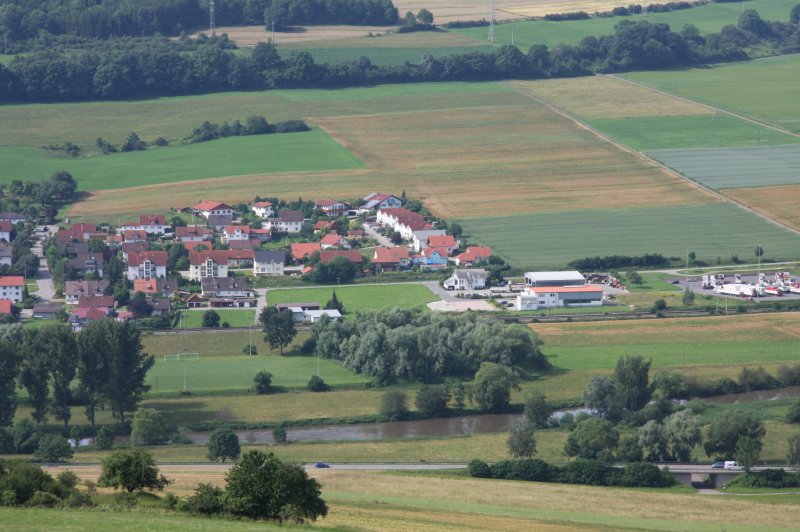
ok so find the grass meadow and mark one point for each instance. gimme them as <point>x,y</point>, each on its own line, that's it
<point>240,317</point>
<point>708,18</point>
<point>258,154</point>
<point>214,343</point>
<point>357,298</point>
<point>757,89</point>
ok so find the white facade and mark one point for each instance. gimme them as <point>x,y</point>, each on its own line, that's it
<point>268,262</point>
<point>567,278</point>
<point>419,239</point>
<point>14,293</point>
<point>263,210</point>
<point>466,280</point>
<point>207,268</point>
<point>146,270</point>
<point>559,297</point>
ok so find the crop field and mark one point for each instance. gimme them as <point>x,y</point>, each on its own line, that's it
<point>240,317</point>
<point>357,298</point>
<point>552,240</point>
<point>708,18</point>
<point>778,202</point>
<point>736,167</point>
<point>258,154</point>
<point>235,373</point>
<point>698,131</point>
<point>757,89</point>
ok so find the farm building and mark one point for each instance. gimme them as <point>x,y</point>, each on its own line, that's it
<point>572,278</point>
<point>559,296</point>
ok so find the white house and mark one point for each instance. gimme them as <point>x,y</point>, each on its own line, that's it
<point>235,232</point>
<point>12,287</point>
<point>206,208</point>
<point>208,263</point>
<point>378,200</point>
<point>6,254</point>
<point>419,239</point>
<point>268,262</point>
<point>6,228</point>
<point>152,224</point>
<point>193,233</point>
<point>147,265</point>
<point>471,279</point>
<point>535,298</point>
<point>263,209</point>
<point>287,222</point>
<point>226,287</point>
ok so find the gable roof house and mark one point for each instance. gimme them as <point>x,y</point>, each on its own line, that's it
<point>419,239</point>
<point>287,222</point>
<point>432,259</point>
<point>13,217</point>
<point>235,232</point>
<point>378,200</point>
<point>403,221</point>
<point>132,247</point>
<point>106,303</point>
<point>152,224</point>
<point>243,244</point>
<point>6,228</point>
<point>301,250</point>
<point>6,254</point>
<point>192,233</point>
<point>208,208</point>
<point>85,263</point>
<point>218,221</point>
<point>134,235</point>
<point>240,258</point>
<point>268,262</point>
<point>12,287</point>
<point>262,209</point>
<point>330,207</point>
<point>322,225</point>
<point>208,263</point>
<point>390,259</point>
<point>352,255</point>
<point>156,287</point>
<point>446,242</point>
<point>473,279</point>
<point>79,317</point>
<point>228,292</point>
<point>161,305</point>
<point>332,240</point>
<point>147,265</point>
<point>75,289</point>
<point>472,255</point>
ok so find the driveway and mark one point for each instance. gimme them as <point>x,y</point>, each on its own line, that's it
<point>372,233</point>
<point>46,289</point>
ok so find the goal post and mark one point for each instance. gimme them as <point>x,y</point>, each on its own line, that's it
<point>185,357</point>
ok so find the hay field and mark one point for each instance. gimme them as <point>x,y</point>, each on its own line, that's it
<point>758,89</point>
<point>778,202</point>
<point>594,97</point>
<point>451,10</point>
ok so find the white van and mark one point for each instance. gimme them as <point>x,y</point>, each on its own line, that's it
<point>733,466</point>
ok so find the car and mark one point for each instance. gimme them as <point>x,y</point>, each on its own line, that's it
<point>675,281</point>
<point>718,465</point>
<point>322,465</point>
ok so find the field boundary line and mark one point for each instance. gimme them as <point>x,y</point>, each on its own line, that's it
<point>708,106</point>
<point>667,169</point>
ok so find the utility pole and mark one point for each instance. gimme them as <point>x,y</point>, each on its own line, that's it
<point>492,35</point>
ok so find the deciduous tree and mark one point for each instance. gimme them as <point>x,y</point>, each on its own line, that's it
<point>521,442</point>
<point>278,326</point>
<point>132,471</point>
<point>223,444</point>
<point>492,386</point>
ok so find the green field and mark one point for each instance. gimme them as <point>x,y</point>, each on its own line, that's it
<point>708,18</point>
<point>213,343</point>
<point>693,131</point>
<point>258,154</point>
<point>387,56</point>
<point>552,240</point>
<point>357,298</point>
<point>240,317</point>
<point>760,89</point>
<point>736,167</point>
<point>235,373</point>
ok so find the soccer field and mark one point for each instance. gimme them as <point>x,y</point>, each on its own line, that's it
<point>357,298</point>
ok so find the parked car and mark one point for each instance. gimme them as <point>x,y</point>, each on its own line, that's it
<point>718,465</point>
<point>321,465</point>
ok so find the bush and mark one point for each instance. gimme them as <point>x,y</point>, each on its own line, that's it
<point>223,444</point>
<point>645,475</point>
<point>104,439</point>
<point>262,383</point>
<point>316,384</point>
<point>210,319</point>
<point>793,415</point>
<point>279,434</point>
<point>207,500</point>
<point>44,499</point>
<point>170,501</point>
<point>394,405</point>
<point>26,439</point>
<point>767,478</point>
<point>21,480</point>
<point>6,441</point>
<point>588,472</point>
<point>479,469</point>
<point>78,499</point>
<point>52,448</point>
<point>432,401</point>
<point>150,428</point>
<point>530,469</point>
<point>68,479</point>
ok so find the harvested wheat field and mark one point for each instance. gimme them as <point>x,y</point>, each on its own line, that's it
<point>608,97</point>
<point>451,10</point>
<point>546,7</point>
<point>778,202</point>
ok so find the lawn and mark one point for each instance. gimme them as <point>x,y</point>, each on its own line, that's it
<point>240,317</point>
<point>235,373</point>
<point>357,298</point>
<point>691,131</point>
<point>758,89</point>
<point>552,240</point>
<point>258,154</point>
<point>708,18</point>
<point>736,167</point>
<point>214,343</point>
<point>653,282</point>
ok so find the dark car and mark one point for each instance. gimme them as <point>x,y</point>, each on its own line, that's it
<point>675,281</point>
<point>718,465</point>
<point>321,465</point>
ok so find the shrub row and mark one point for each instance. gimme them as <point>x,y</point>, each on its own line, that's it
<point>767,478</point>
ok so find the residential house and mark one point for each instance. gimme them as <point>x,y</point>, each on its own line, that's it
<point>192,233</point>
<point>82,231</point>
<point>431,259</point>
<point>300,315</point>
<point>472,255</point>
<point>208,263</point>
<point>46,311</point>
<point>356,234</point>
<point>377,201</point>
<point>331,208</point>
<point>469,279</point>
<point>218,221</point>
<point>446,242</point>
<point>13,217</point>
<point>147,265</point>
<point>132,247</point>
<point>152,224</point>
<point>353,255</point>
<point>6,254</point>
<point>197,246</point>
<point>79,317</point>
<point>76,289</point>
<point>332,240</point>
<point>263,209</point>
<point>134,235</point>
<point>390,259</point>
<point>403,221</point>
<point>235,232</point>
<point>261,235</point>
<point>301,250</point>
<point>208,208</point>
<point>311,305</point>
<point>195,301</point>
<point>6,307</point>
<point>268,262</point>
<point>85,263</point>
<point>243,244</point>
<point>287,222</point>
<point>228,292</point>
<point>6,228</point>
<point>105,303</point>
<point>161,305</point>
<point>157,287</point>
<point>240,258</point>
<point>419,239</point>
<point>322,225</point>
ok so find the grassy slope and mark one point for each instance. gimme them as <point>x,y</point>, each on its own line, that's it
<point>357,298</point>
<point>307,151</point>
<point>757,89</point>
<point>708,18</point>
<point>561,237</point>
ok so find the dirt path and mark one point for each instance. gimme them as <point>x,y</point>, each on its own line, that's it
<point>699,186</point>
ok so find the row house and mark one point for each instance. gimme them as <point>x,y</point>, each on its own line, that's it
<point>147,265</point>
<point>403,221</point>
<point>268,262</point>
<point>208,263</point>
<point>74,290</point>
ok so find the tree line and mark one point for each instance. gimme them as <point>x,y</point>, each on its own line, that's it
<point>159,67</point>
<point>254,125</point>
<point>21,20</point>
<point>395,344</point>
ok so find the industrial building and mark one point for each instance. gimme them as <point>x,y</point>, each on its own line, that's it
<point>573,278</point>
<point>535,298</point>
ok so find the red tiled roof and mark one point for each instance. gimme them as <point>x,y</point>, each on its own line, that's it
<point>353,255</point>
<point>147,286</point>
<point>323,224</point>
<point>134,233</point>
<point>152,219</point>
<point>192,230</point>
<point>304,249</point>
<point>12,280</point>
<point>6,225</point>
<point>6,306</point>
<point>96,302</point>
<point>325,202</point>
<point>159,258</point>
<point>89,313</point>
<point>220,256</point>
<point>390,255</point>
<point>230,229</point>
<point>475,252</point>
<point>441,241</point>
<point>239,254</point>
<point>262,204</point>
<point>190,246</point>
<point>331,239</point>
<point>207,205</point>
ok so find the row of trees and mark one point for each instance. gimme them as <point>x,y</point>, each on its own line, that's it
<point>105,358</point>
<point>254,125</point>
<point>150,67</point>
<point>36,199</point>
<point>410,344</point>
<point>21,20</point>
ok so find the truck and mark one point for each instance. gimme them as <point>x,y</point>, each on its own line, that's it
<point>739,290</point>
<point>773,291</point>
<point>708,282</point>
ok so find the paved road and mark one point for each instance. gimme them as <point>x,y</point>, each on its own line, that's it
<point>261,301</point>
<point>344,467</point>
<point>443,294</point>
<point>44,281</point>
<point>382,240</point>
